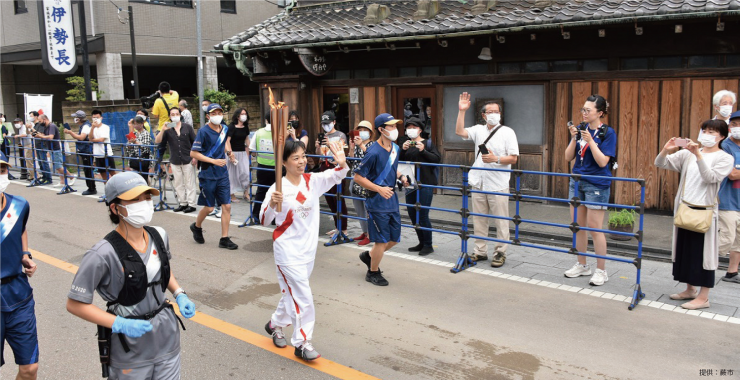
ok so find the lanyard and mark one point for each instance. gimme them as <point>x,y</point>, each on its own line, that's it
<point>582,151</point>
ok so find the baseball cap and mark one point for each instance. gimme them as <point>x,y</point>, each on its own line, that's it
<point>365,124</point>
<point>127,186</point>
<point>415,121</point>
<point>4,159</point>
<point>328,117</point>
<point>17,119</point>
<point>79,114</point>
<point>735,115</point>
<point>214,106</point>
<point>385,119</point>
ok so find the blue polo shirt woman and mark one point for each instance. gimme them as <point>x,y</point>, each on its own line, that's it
<point>592,146</point>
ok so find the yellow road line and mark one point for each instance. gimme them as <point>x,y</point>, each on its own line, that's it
<point>250,337</point>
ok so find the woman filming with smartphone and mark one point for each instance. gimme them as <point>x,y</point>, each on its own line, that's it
<point>592,146</point>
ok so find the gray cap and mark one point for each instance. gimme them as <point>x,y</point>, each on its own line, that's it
<point>79,114</point>
<point>127,186</point>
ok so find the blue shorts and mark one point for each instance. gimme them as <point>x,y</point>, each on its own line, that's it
<point>384,227</point>
<point>18,328</point>
<point>589,193</point>
<point>57,158</point>
<point>214,192</point>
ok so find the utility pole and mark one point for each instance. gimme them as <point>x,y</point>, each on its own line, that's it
<point>85,58</point>
<point>200,61</point>
<point>133,51</point>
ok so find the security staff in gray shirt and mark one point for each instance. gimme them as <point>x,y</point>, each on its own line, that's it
<point>130,270</point>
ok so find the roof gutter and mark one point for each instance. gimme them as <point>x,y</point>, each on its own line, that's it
<point>232,48</point>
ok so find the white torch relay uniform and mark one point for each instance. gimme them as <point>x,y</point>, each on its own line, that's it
<point>294,242</point>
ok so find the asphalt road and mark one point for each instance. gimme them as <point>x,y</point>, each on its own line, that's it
<point>428,324</point>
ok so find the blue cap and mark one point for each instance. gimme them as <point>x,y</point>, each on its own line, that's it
<point>4,159</point>
<point>385,119</point>
<point>214,106</point>
<point>735,115</point>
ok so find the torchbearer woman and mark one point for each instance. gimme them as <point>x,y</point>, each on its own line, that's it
<point>130,269</point>
<point>295,240</point>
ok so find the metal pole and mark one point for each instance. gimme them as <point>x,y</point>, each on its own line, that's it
<point>133,51</point>
<point>85,59</point>
<point>200,61</point>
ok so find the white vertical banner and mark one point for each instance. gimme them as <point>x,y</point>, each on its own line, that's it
<point>58,54</point>
<point>39,103</point>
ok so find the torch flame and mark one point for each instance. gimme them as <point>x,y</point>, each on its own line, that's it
<point>272,103</point>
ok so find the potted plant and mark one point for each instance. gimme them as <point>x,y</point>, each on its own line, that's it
<point>622,221</point>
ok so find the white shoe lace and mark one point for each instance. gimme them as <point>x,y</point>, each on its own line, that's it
<point>307,346</point>
<point>278,332</point>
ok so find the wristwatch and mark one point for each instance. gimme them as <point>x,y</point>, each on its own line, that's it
<point>498,160</point>
<point>178,292</point>
<point>29,254</point>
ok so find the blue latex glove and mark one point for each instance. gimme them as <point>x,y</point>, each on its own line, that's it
<point>187,307</point>
<point>132,328</point>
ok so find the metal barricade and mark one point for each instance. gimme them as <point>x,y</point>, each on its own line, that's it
<point>464,261</point>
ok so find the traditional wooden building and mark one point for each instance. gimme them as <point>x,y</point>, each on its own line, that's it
<point>658,63</point>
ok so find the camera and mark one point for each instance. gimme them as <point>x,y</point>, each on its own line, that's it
<point>581,127</point>
<point>148,101</point>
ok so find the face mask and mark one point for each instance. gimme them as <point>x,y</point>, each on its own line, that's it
<point>327,127</point>
<point>77,120</point>
<point>392,135</point>
<point>139,213</point>
<point>18,126</point>
<point>493,118</point>
<point>268,127</point>
<point>708,140</point>
<point>175,119</point>
<point>735,133</point>
<point>96,121</point>
<point>364,135</point>
<point>412,133</point>
<point>4,182</point>
<point>2,119</point>
<point>294,124</point>
<point>216,119</point>
<point>205,108</point>
<point>725,111</point>
<point>243,118</point>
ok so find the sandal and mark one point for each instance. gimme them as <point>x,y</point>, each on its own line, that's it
<point>234,199</point>
<point>332,232</point>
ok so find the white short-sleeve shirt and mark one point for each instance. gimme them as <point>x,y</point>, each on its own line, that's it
<point>100,148</point>
<point>502,144</point>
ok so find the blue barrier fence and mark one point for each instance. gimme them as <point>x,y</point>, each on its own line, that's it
<point>463,262</point>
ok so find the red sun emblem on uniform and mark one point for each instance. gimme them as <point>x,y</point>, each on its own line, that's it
<point>9,216</point>
<point>154,252</point>
<point>300,198</point>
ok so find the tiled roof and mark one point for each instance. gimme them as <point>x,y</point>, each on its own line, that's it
<point>344,21</point>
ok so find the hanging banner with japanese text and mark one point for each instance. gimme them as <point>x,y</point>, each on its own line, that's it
<point>58,54</point>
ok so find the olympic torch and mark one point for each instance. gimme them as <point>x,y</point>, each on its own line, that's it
<point>279,122</point>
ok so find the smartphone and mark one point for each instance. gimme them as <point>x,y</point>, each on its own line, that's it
<point>682,143</point>
<point>353,134</point>
<point>171,125</point>
<point>66,126</point>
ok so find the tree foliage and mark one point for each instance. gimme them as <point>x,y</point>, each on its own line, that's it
<point>77,93</point>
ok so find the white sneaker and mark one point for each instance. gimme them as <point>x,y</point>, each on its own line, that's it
<point>218,212</point>
<point>578,270</point>
<point>58,184</point>
<point>599,277</point>
<point>71,180</point>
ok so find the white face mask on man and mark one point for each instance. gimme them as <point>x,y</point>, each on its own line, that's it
<point>735,133</point>
<point>175,119</point>
<point>412,133</point>
<point>493,118</point>
<point>139,213</point>
<point>392,135</point>
<point>4,182</point>
<point>327,127</point>
<point>216,119</point>
<point>205,108</point>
